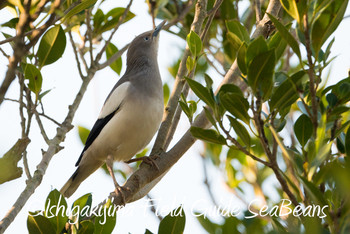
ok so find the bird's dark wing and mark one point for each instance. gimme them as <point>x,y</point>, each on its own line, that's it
<point>95,131</point>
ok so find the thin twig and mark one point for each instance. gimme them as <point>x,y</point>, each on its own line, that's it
<point>76,55</point>
<point>51,119</point>
<point>41,127</point>
<point>89,34</point>
<point>257,9</point>
<point>4,53</point>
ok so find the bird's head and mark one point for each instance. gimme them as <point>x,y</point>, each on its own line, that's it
<point>144,47</point>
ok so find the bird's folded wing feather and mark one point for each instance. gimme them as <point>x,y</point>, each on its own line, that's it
<point>110,108</point>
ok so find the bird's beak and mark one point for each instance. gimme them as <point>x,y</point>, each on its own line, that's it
<point>158,28</point>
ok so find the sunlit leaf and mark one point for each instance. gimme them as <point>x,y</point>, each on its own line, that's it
<point>194,43</point>
<point>117,64</point>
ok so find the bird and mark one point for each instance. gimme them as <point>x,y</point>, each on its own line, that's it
<point>130,116</point>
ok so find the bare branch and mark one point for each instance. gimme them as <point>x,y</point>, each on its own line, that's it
<point>257,9</point>
<point>142,180</point>
<point>76,55</point>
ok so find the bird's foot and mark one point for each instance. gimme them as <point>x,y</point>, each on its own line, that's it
<point>150,160</point>
<point>119,191</point>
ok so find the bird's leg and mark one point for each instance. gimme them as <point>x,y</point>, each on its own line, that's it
<point>118,188</point>
<point>150,160</point>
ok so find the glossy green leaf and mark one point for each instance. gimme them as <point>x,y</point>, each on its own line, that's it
<point>87,227</point>
<point>79,8</point>
<point>287,92</point>
<point>235,41</point>
<point>235,27</point>
<point>260,73</point>
<point>201,92</point>
<point>99,17</point>
<point>241,58</point>
<point>294,8</point>
<point>84,202</point>
<point>38,224</point>
<point>347,143</point>
<point>194,43</point>
<point>117,64</point>
<point>286,35</point>
<point>105,223</point>
<point>186,110</point>
<point>236,105</point>
<point>276,41</point>
<point>83,133</point>
<point>256,47</point>
<point>240,130</point>
<point>56,210</point>
<point>112,19</point>
<point>173,223</point>
<point>33,74</point>
<point>189,63</point>
<point>303,129</point>
<point>231,88</point>
<point>327,22</point>
<point>209,135</point>
<point>52,46</point>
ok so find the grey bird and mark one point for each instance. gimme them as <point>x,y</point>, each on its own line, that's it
<point>130,116</point>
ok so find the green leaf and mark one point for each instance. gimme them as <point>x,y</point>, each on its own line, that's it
<point>294,8</point>
<point>209,116</point>
<point>166,93</point>
<point>186,110</point>
<point>236,105</point>
<point>112,19</point>
<point>286,93</point>
<point>260,73</point>
<point>99,17</point>
<point>201,92</point>
<point>240,130</point>
<point>117,64</point>
<point>105,223</point>
<point>278,43</point>
<point>79,8</point>
<point>52,46</point>
<point>9,169</point>
<point>189,63</point>
<point>194,43</point>
<point>84,205</point>
<point>87,227</point>
<point>235,27</point>
<point>173,223</point>
<point>303,129</point>
<point>83,133</point>
<point>235,41</point>
<point>241,58</point>
<point>33,74</point>
<point>209,135</point>
<point>231,88</point>
<point>286,36</point>
<point>256,47</point>
<point>56,208</point>
<point>347,143</point>
<point>38,224</point>
<point>327,22</point>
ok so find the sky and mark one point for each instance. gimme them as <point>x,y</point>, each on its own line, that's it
<point>184,182</point>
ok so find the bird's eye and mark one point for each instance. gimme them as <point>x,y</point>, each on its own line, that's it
<point>146,38</point>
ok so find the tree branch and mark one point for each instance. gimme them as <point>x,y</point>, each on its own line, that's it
<point>143,179</point>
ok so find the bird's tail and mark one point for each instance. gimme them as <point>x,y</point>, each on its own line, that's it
<point>83,171</point>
